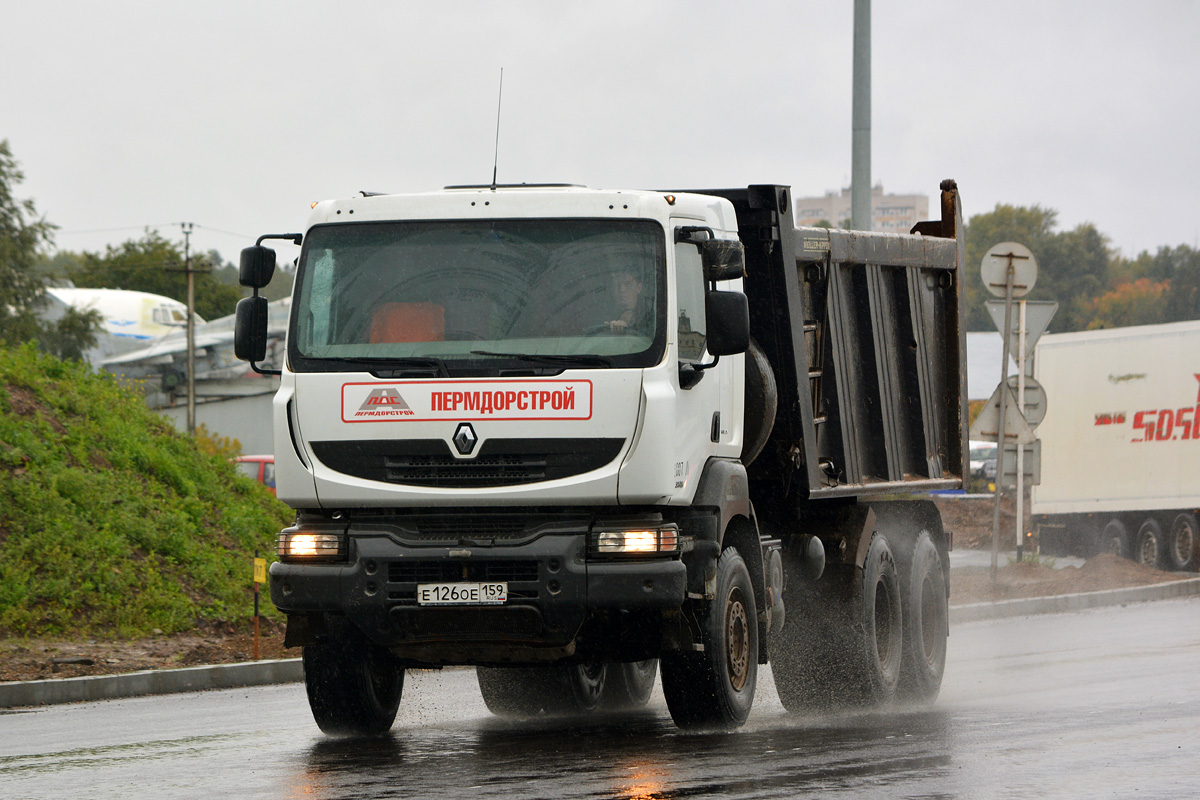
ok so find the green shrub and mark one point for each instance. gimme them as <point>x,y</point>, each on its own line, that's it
<point>111,522</point>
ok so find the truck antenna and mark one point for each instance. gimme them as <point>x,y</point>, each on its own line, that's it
<point>496,157</point>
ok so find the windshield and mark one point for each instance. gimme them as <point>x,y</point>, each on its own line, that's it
<point>471,295</point>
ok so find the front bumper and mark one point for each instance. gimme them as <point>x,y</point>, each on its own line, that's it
<point>554,593</point>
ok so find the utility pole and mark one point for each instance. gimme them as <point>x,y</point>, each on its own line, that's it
<point>860,151</point>
<point>191,328</point>
<point>191,325</point>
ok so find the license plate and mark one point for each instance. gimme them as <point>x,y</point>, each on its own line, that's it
<point>462,594</point>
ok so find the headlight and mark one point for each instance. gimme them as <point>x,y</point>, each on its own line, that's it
<point>632,542</point>
<point>294,545</point>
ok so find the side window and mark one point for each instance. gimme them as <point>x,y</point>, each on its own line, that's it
<point>690,289</point>
<point>321,286</point>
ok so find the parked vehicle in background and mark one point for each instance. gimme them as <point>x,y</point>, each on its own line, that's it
<point>983,460</point>
<point>1121,444</point>
<point>575,437</point>
<point>260,468</point>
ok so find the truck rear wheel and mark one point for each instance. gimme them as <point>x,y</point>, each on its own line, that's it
<point>353,685</point>
<point>555,690</point>
<point>1183,542</point>
<point>882,632</point>
<point>808,655</point>
<point>832,654</point>
<point>1151,546</point>
<point>926,623</point>
<point>715,688</point>
<point>628,686</point>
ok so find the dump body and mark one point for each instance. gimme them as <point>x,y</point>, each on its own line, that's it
<point>1121,436</point>
<point>863,333</point>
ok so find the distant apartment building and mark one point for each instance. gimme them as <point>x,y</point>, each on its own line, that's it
<point>891,213</point>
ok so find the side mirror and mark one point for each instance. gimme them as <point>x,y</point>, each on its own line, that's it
<point>256,267</point>
<point>724,260</point>
<point>250,327</point>
<point>727,315</point>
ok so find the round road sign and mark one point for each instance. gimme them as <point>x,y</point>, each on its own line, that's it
<point>994,269</point>
<point>1035,399</point>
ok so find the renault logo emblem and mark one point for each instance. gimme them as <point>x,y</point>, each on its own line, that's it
<point>465,439</point>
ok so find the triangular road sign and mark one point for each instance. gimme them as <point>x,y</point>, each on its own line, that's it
<point>1038,314</point>
<point>987,425</point>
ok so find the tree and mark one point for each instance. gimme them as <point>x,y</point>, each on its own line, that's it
<point>1183,303</point>
<point>1181,267</point>
<point>23,235</point>
<point>153,264</point>
<point>1136,303</point>
<point>1073,266</point>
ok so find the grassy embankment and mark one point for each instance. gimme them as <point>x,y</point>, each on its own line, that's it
<point>112,524</point>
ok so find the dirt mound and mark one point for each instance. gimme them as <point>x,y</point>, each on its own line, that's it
<point>970,518</point>
<point>1042,579</point>
<point>36,659</point>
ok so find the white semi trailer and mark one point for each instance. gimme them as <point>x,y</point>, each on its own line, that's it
<point>1121,444</point>
<point>574,437</point>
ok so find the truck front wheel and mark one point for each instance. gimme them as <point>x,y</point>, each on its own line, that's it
<point>715,688</point>
<point>353,684</point>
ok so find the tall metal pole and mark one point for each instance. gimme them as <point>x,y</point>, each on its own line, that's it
<point>191,329</point>
<point>1001,433</point>
<point>1020,447</point>
<point>860,155</point>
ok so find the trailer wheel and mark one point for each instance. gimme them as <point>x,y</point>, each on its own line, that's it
<point>554,690</point>
<point>1183,542</point>
<point>1151,544</point>
<point>926,623</point>
<point>1115,539</point>
<point>628,686</point>
<point>353,685</point>
<point>715,688</point>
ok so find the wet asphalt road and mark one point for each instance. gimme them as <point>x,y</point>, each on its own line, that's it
<point>1099,704</point>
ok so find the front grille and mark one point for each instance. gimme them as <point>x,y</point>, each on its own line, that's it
<point>419,571</point>
<point>473,526</point>
<point>450,471</point>
<point>501,462</point>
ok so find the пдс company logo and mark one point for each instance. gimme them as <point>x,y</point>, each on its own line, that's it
<point>384,402</point>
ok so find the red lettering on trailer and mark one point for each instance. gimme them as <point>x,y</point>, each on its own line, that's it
<point>1168,424</point>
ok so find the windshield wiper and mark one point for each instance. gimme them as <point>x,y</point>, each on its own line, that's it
<point>579,360</point>
<point>402,363</point>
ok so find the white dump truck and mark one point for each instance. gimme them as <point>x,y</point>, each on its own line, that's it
<point>576,438</point>
<point>1121,444</point>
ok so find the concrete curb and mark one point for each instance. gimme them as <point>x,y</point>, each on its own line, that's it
<point>290,670</point>
<point>1074,602</point>
<point>154,681</point>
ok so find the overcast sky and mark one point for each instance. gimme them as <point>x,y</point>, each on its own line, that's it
<point>237,115</point>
